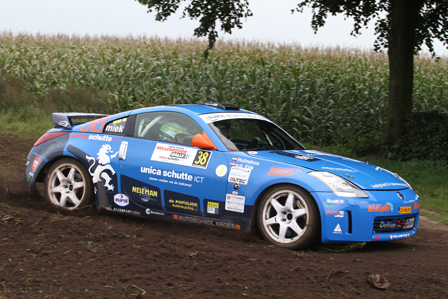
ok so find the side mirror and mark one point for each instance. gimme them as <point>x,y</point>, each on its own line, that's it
<point>203,141</point>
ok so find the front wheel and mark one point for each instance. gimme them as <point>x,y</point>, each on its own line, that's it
<point>68,185</point>
<point>288,217</point>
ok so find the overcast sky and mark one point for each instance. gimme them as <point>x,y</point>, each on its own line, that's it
<point>272,22</point>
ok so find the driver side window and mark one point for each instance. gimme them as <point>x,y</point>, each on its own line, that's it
<point>170,127</point>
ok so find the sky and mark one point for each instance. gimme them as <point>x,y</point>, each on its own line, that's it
<point>272,22</point>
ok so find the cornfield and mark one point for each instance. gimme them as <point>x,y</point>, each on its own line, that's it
<point>322,96</point>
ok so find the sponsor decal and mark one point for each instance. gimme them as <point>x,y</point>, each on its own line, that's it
<point>221,170</point>
<point>235,203</point>
<point>338,214</point>
<point>409,223</point>
<point>388,207</point>
<point>212,117</point>
<point>145,193</point>
<point>80,136</point>
<point>239,175</point>
<point>99,166</point>
<point>389,185</point>
<point>212,222</point>
<point>151,212</point>
<point>96,137</point>
<point>252,153</point>
<point>113,209</point>
<point>63,123</point>
<point>332,212</point>
<point>181,155</point>
<point>304,158</point>
<point>121,199</point>
<point>172,174</point>
<point>388,224</point>
<point>116,126</point>
<point>400,236</point>
<point>294,154</point>
<point>331,202</point>
<point>339,169</point>
<point>337,229</point>
<point>35,163</point>
<point>30,175</point>
<point>248,163</point>
<point>183,204</point>
<point>416,205</point>
<point>213,207</point>
<point>276,170</point>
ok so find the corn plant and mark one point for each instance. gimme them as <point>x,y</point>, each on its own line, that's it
<point>322,96</point>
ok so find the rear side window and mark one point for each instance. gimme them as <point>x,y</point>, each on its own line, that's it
<point>167,127</point>
<point>116,127</point>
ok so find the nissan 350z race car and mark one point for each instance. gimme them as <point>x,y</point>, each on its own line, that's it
<point>219,165</point>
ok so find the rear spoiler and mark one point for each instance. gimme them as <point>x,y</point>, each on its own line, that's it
<point>65,119</point>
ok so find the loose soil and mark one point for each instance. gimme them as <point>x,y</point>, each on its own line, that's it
<point>47,253</point>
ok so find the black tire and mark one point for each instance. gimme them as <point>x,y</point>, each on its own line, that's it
<point>288,217</point>
<point>68,185</point>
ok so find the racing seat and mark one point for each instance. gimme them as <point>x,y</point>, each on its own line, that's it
<point>154,132</point>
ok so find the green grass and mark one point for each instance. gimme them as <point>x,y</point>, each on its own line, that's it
<point>28,122</point>
<point>427,178</point>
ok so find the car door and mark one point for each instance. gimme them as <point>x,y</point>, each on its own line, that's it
<point>161,171</point>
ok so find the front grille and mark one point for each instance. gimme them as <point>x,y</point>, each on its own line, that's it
<point>401,223</point>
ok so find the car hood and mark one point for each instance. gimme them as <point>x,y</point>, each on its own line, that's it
<point>364,175</point>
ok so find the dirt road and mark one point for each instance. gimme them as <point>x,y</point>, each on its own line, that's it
<point>46,253</point>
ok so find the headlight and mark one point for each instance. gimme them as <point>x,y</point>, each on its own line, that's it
<point>340,186</point>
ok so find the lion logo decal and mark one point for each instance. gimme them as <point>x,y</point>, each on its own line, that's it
<point>99,167</point>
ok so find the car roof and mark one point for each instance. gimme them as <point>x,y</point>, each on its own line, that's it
<point>192,109</point>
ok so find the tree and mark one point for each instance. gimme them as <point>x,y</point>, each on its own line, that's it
<point>228,12</point>
<point>402,27</point>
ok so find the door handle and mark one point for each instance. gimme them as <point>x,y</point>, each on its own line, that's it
<point>123,150</point>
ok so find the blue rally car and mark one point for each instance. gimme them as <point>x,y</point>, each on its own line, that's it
<point>219,165</point>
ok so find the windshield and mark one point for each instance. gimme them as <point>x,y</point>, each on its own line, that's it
<point>241,134</point>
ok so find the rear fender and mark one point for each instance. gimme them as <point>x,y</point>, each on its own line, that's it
<point>41,157</point>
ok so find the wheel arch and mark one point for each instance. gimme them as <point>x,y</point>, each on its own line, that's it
<point>40,178</point>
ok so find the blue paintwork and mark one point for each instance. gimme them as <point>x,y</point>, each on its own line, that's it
<point>146,186</point>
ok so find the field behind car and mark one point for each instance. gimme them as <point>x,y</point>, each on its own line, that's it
<point>322,96</point>
<point>333,99</point>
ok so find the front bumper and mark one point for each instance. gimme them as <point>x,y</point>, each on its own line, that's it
<point>384,216</point>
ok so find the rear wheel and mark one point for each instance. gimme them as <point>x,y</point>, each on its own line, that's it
<point>68,185</point>
<point>288,217</point>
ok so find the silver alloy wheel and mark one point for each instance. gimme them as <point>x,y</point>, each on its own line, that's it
<point>285,216</point>
<point>66,186</point>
